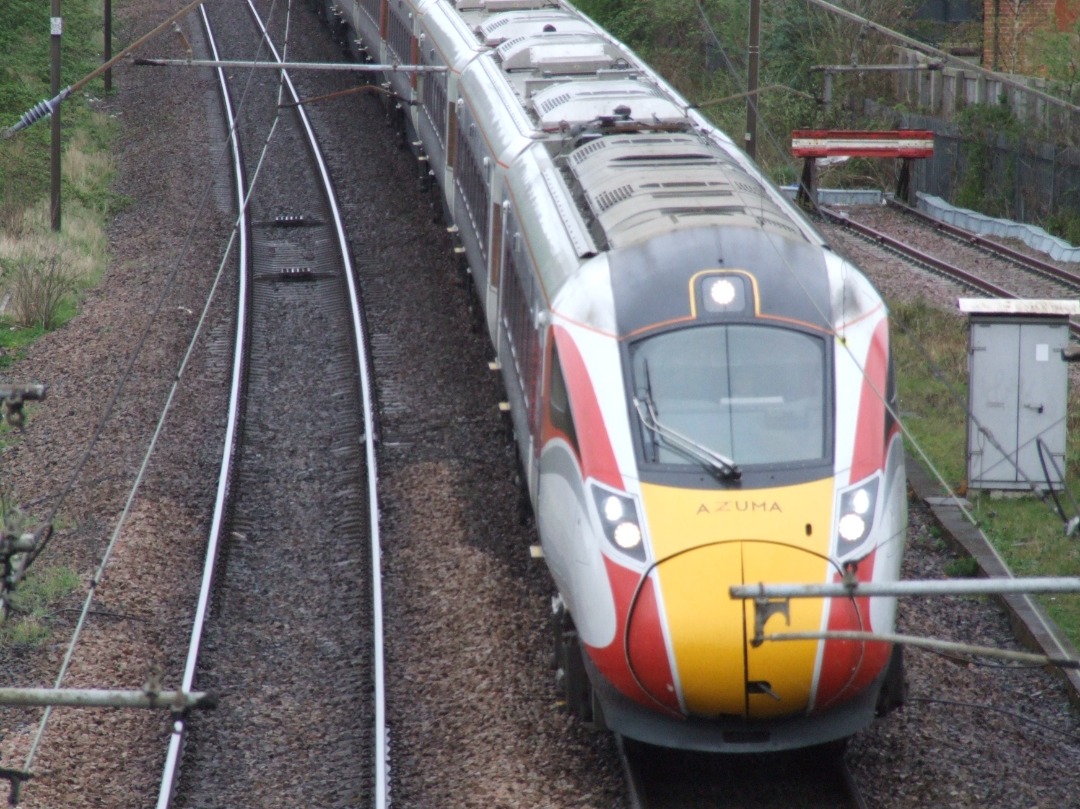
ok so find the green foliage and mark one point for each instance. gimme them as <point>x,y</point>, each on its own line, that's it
<point>701,46</point>
<point>1065,224</point>
<point>23,19</point>
<point>32,605</point>
<point>38,287</point>
<point>25,80</point>
<point>13,340</point>
<point>40,270</point>
<point>985,186</point>
<point>677,26</point>
<point>930,356</point>
<point>964,567</point>
<point>29,606</point>
<point>1056,52</point>
<point>1030,538</point>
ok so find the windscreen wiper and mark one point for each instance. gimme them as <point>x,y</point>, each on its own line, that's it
<point>723,467</point>
<point>654,443</point>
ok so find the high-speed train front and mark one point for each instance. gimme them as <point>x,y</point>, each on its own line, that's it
<point>730,425</point>
<point>700,389</point>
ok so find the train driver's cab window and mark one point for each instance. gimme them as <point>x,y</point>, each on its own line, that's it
<point>562,418</point>
<point>744,393</point>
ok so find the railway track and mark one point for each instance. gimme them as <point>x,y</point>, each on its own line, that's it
<point>667,779</point>
<point>290,602</point>
<point>981,266</point>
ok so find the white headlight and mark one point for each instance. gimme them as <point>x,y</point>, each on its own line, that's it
<point>613,509</point>
<point>722,292</point>
<point>860,501</point>
<point>852,527</point>
<point>627,535</point>
<point>618,521</point>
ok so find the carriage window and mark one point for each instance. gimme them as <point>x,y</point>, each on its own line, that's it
<point>521,335</point>
<point>471,178</point>
<point>562,418</point>
<point>434,103</point>
<point>400,38</point>
<point>753,394</point>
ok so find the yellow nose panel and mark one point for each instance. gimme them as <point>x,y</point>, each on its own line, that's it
<point>705,629</point>
<point>705,541</point>
<point>780,674</point>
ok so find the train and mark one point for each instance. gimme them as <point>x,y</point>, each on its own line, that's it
<point>701,389</point>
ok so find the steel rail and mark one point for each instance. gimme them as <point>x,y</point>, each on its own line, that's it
<point>171,769</point>
<point>907,250</point>
<point>856,799</point>
<point>635,791</point>
<point>171,772</point>
<point>1052,270</point>
<point>381,795</point>
<point>951,270</point>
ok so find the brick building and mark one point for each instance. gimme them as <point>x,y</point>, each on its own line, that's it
<point>1009,27</point>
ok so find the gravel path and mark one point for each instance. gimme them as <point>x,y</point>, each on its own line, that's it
<point>131,331</point>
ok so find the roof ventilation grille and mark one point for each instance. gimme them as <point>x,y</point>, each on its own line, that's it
<point>582,154</point>
<point>551,103</point>
<point>613,196</point>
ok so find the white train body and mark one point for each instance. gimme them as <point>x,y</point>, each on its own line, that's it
<point>698,385</point>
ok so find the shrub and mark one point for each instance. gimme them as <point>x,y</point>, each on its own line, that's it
<point>38,288</point>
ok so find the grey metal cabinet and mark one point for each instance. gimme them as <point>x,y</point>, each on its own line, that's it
<point>1017,392</point>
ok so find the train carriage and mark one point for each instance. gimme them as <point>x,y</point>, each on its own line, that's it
<point>700,388</point>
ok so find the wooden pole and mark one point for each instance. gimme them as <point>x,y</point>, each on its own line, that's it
<point>108,44</point>
<point>57,29</point>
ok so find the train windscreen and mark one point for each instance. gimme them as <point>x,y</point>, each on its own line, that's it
<point>731,395</point>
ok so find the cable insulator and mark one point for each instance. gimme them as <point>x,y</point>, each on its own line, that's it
<point>37,112</point>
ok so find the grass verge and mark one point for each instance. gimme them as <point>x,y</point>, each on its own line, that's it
<point>33,604</point>
<point>43,272</point>
<point>930,351</point>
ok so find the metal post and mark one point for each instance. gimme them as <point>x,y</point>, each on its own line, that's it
<point>56,30</point>
<point>753,52</point>
<point>108,44</point>
<point>910,587</point>
<point>104,698</point>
